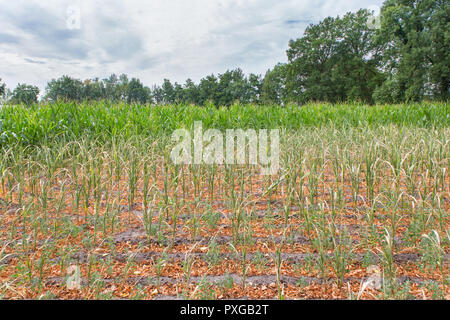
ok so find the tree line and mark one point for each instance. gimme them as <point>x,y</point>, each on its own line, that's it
<point>403,56</point>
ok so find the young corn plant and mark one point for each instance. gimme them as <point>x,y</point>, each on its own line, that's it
<point>243,256</point>
<point>387,260</point>
<point>319,246</point>
<point>187,265</point>
<point>159,265</point>
<point>278,261</point>
<point>433,254</point>
<point>341,256</point>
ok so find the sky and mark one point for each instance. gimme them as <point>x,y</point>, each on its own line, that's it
<point>152,40</point>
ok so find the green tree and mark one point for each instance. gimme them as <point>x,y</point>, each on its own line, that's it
<point>178,93</point>
<point>335,60</point>
<point>93,90</point>
<point>274,88</point>
<point>191,92</point>
<point>255,87</point>
<point>168,92</point>
<point>157,94</point>
<point>64,88</point>
<point>136,92</point>
<point>232,87</point>
<point>121,88</point>
<point>25,94</point>
<point>209,90</point>
<point>2,88</point>
<point>416,44</point>
<point>110,88</point>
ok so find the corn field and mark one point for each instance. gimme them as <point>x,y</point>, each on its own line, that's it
<point>92,207</point>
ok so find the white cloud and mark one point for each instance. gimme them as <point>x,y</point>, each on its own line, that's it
<point>152,40</point>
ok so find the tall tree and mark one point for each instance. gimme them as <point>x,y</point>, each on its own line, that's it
<point>2,88</point>
<point>64,88</point>
<point>25,94</point>
<point>335,60</point>
<point>122,87</point>
<point>416,39</point>
<point>232,87</point>
<point>93,89</point>
<point>191,92</point>
<point>274,88</point>
<point>157,94</point>
<point>256,83</point>
<point>168,92</point>
<point>136,92</point>
<point>178,93</point>
<point>110,88</point>
<point>209,90</point>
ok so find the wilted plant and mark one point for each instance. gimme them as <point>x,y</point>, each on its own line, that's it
<point>433,254</point>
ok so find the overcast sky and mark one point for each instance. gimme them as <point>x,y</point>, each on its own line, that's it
<point>152,40</point>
